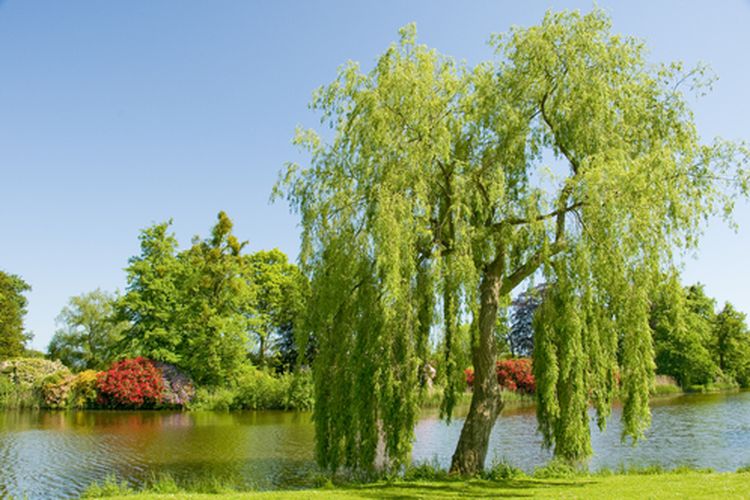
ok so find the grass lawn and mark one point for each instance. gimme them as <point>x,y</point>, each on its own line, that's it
<point>666,485</point>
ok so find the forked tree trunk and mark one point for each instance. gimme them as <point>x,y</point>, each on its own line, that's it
<point>486,402</point>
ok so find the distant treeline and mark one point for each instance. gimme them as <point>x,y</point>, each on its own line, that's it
<point>213,311</point>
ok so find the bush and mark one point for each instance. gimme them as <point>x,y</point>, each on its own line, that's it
<point>23,382</point>
<point>83,390</point>
<point>130,383</point>
<point>55,390</point>
<point>29,372</point>
<point>7,392</point>
<point>502,471</point>
<point>259,390</point>
<point>426,471</point>
<point>217,399</point>
<point>514,375</point>
<point>555,469</point>
<point>664,384</point>
<point>179,389</point>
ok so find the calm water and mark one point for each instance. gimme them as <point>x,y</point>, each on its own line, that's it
<point>48,454</point>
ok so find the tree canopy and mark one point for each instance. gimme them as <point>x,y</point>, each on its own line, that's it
<point>520,335</point>
<point>205,308</point>
<point>189,308</point>
<point>682,320</point>
<point>280,294</point>
<point>13,338</point>
<point>88,333</point>
<point>441,188</point>
<point>731,341</point>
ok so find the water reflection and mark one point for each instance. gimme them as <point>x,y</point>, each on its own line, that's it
<point>45,454</point>
<point>56,454</point>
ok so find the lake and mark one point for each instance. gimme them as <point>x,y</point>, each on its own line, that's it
<point>47,454</point>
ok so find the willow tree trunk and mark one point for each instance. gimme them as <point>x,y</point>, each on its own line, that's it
<point>486,402</point>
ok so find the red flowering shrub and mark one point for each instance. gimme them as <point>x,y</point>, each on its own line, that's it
<point>516,375</point>
<point>130,383</point>
<point>512,374</point>
<point>469,372</point>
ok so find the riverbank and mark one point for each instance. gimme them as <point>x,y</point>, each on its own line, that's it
<point>676,484</point>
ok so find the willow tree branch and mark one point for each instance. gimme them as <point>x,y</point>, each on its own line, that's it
<point>558,143</point>
<point>516,221</point>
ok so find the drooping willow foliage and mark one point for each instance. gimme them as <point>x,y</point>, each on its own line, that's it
<point>442,188</point>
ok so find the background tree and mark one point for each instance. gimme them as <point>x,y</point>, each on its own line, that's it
<point>682,320</point>
<point>216,303</point>
<point>89,334</point>
<point>520,336</point>
<point>280,293</point>
<point>189,308</point>
<point>732,344</point>
<point>12,310</point>
<point>433,195</point>
<point>152,305</point>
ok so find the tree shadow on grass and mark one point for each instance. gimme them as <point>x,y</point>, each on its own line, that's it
<point>518,488</point>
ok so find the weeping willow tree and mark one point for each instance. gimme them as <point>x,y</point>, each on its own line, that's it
<point>440,189</point>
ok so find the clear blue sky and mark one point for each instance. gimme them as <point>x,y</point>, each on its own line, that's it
<point>114,115</point>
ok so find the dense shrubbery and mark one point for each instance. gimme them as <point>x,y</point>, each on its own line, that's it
<point>27,372</point>
<point>55,389</point>
<point>141,383</point>
<point>259,390</point>
<point>7,391</point>
<point>83,390</point>
<point>130,383</point>
<point>516,375</point>
<point>178,387</point>
<point>23,380</point>
<point>512,374</point>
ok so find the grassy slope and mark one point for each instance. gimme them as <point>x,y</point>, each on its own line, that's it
<point>683,485</point>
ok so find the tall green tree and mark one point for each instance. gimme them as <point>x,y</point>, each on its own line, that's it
<point>216,303</point>
<point>152,303</point>
<point>189,308</point>
<point>280,294</point>
<point>682,322</point>
<point>88,332</point>
<point>732,344</point>
<point>433,195</point>
<point>13,338</point>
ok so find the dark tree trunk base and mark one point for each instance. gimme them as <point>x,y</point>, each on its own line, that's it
<point>486,402</point>
<point>471,451</point>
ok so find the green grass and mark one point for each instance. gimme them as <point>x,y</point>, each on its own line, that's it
<point>678,484</point>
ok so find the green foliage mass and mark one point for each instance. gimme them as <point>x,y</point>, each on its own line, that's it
<point>12,310</point>
<point>280,295</point>
<point>23,381</point>
<point>731,342</point>
<point>88,333</point>
<point>152,303</point>
<point>256,389</point>
<point>205,308</point>
<point>433,198</point>
<point>682,320</point>
<point>189,308</point>
<point>214,307</point>
<point>693,343</point>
